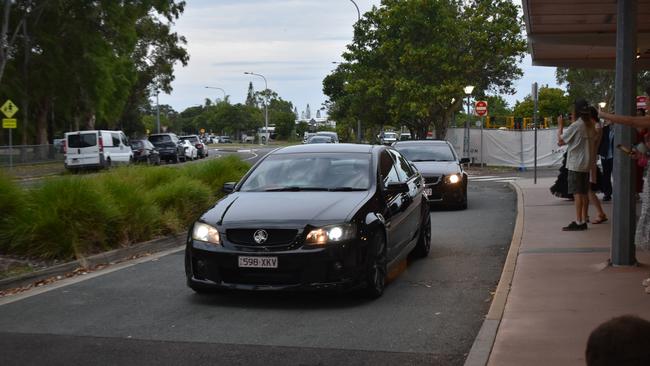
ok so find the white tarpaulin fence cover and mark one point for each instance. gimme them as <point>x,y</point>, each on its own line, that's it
<point>513,148</point>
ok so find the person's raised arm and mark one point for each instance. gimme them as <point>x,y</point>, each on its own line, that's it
<point>634,121</point>
<point>560,129</point>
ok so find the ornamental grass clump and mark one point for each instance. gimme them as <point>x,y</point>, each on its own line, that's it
<point>185,197</point>
<point>66,218</point>
<point>12,202</point>
<point>216,172</point>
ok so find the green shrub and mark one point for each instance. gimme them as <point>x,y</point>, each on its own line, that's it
<point>12,202</point>
<point>138,219</point>
<point>184,196</point>
<point>215,173</point>
<point>65,218</point>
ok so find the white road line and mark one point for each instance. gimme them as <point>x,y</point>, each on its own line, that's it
<point>495,179</point>
<point>252,157</point>
<point>244,151</point>
<point>73,280</point>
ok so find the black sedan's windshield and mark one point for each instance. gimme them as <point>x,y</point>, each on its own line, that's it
<point>426,152</point>
<point>309,172</point>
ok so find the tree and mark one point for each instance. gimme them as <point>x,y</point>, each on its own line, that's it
<point>318,113</point>
<point>409,59</point>
<point>295,111</point>
<point>89,62</point>
<point>552,102</point>
<point>250,96</point>
<point>308,112</point>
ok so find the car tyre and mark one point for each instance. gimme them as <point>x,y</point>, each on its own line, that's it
<point>463,203</point>
<point>423,247</point>
<point>377,268</point>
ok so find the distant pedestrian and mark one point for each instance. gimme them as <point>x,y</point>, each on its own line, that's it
<point>606,152</point>
<point>621,341</point>
<point>561,186</point>
<point>595,176</point>
<point>578,137</point>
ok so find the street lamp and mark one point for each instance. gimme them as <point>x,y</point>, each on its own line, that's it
<point>266,109</point>
<point>468,91</point>
<point>215,87</point>
<point>358,120</point>
<point>602,105</point>
<point>157,112</point>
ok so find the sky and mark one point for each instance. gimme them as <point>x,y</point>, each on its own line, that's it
<point>293,43</point>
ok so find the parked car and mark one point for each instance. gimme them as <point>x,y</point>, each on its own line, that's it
<point>333,135</point>
<point>387,138</point>
<point>190,151</point>
<point>320,139</point>
<point>224,140</point>
<point>168,146</point>
<point>444,176</point>
<point>405,136</point>
<point>145,152</point>
<point>201,149</point>
<point>96,149</point>
<point>307,136</point>
<point>312,216</point>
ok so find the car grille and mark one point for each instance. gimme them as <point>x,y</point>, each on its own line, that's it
<point>431,180</point>
<point>259,276</point>
<point>275,236</point>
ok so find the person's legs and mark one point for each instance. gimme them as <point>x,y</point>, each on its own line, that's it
<point>608,164</point>
<point>602,217</point>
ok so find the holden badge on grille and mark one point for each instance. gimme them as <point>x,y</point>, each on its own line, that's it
<point>260,236</point>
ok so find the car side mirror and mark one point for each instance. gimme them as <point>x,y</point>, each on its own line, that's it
<point>464,160</point>
<point>397,187</point>
<point>228,187</point>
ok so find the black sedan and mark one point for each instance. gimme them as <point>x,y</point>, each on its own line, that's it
<point>312,217</point>
<point>145,152</point>
<point>437,161</point>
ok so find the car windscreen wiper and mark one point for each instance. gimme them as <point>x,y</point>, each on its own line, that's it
<point>294,189</point>
<point>347,189</point>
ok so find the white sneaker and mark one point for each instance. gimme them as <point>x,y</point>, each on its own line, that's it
<point>646,282</point>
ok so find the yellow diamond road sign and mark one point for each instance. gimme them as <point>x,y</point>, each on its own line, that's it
<point>9,109</point>
<point>9,123</point>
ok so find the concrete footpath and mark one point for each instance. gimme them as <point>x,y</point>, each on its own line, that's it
<point>562,286</point>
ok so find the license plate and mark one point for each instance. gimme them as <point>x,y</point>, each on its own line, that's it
<point>258,262</point>
<point>428,191</point>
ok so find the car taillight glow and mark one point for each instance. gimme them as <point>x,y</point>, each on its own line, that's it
<point>199,146</point>
<point>101,144</point>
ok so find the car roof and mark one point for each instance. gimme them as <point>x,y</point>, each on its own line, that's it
<point>325,148</point>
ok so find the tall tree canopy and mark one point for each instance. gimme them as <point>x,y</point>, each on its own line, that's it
<point>409,59</point>
<point>89,64</point>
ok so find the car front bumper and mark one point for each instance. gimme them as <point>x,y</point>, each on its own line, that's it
<point>445,193</point>
<point>335,266</point>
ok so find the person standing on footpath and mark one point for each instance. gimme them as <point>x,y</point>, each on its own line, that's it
<point>595,177</point>
<point>642,235</point>
<point>578,137</point>
<point>606,152</point>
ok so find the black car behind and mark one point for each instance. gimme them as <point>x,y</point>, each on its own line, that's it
<point>437,161</point>
<point>144,152</point>
<point>168,146</point>
<point>309,217</point>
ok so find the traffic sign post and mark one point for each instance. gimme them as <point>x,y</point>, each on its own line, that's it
<point>481,110</point>
<point>9,109</point>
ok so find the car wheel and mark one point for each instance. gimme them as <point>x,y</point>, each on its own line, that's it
<point>107,165</point>
<point>423,247</point>
<point>377,268</point>
<point>463,203</point>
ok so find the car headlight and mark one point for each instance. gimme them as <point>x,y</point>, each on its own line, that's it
<point>453,178</point>
<point>206,233</point>
<point>330,234</point>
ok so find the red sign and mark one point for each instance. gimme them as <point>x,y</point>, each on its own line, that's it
<point>481,108</point>
<point>641,102</point>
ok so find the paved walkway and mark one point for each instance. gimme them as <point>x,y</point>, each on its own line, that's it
<point>562,286</point>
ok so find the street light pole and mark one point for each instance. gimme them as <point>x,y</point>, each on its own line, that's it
<point>358,120</point>
<point>215,87</point>
<point>157,112</point>
<point>468,90</point>
<point>266,108</point>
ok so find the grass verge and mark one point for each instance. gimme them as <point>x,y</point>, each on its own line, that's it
<point>75,216</point>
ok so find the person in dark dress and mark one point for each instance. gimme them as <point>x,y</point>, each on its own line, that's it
<point>606,153</point>
<point>561,186</point>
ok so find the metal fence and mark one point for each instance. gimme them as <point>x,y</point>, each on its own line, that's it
<point>30,154</point>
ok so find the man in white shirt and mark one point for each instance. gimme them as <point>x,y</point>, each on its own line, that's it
<point>577,138</point>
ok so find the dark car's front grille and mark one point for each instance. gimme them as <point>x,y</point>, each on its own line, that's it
<point>259,276</point>
<point>431,180</point>
<point>274,236</point>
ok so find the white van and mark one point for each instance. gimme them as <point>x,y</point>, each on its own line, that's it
<point>96,149</point>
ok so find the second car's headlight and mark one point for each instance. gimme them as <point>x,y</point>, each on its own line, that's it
<point>453,178</point>
<point>330,234</point>
<point>205,232</point>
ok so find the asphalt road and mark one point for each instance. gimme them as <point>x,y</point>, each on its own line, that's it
<point>144,314</point>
